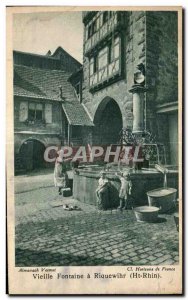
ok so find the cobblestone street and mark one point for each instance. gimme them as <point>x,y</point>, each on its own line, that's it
<point>48,235</point>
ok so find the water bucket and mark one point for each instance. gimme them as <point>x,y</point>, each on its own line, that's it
<point>146,213</point>
<point>163,198</point>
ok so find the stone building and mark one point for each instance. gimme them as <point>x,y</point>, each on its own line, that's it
<point>47,108</point>
<point>115,42</point>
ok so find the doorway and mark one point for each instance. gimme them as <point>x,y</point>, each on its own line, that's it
<point>108,123</point>
<point>32,154</point>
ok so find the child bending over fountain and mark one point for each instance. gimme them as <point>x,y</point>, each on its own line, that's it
<point>102,191</point>
<point>125,189</point>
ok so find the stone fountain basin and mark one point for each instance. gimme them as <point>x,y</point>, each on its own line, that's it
<point>163,198</point>
<point>146,213</point>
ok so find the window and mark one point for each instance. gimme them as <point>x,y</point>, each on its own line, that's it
<point>117,48</point>
<point>35,112</point>
<point>91,62</point>
<point>105,17</point>
<point>89,31</point>
<point>92,29</point>
<point>103,58</point>
<point>78,90</point>
<point>110,14</point>
<point>113,50</point>
<point>110,53</point>
<point>106,64</point>
<point>38,112</point>
<point>95,64</point>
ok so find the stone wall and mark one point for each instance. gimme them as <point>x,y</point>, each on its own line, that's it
<point>162,59</point>
<point>85,184</point>
<point>162,69</point>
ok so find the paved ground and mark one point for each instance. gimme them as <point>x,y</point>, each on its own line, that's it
<point>47,235</point>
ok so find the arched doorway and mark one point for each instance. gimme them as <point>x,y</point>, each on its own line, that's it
<point>108,123</point>
<point>32,154</point>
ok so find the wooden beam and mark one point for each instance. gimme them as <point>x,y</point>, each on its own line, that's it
<point>69,134</point>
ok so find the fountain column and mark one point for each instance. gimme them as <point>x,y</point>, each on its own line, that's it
<point>138,92</point>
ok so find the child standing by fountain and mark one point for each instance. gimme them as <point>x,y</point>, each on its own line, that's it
<point>125,189</point>
<point>102,191</point>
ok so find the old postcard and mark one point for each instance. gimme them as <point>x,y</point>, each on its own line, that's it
<point>94,150</point>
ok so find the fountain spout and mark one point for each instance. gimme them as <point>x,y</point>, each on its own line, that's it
<point>165,180</point>
<point>164,171</point>
<point>161,169</point>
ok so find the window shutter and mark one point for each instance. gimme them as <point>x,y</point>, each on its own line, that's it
<point>48,113</point>
<point>23,112</point>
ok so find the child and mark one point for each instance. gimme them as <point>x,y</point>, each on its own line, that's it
<point>125,189</point>
<point>102,191</point>
<point>60,172</point>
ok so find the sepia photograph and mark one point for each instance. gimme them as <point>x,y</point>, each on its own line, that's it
<point>94,147</point>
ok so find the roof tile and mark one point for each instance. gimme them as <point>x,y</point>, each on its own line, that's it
<point>45,84</point>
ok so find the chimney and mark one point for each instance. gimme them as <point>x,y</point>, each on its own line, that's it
<point>48,53</point>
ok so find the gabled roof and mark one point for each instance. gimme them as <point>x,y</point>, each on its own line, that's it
<point>41,83</point>
<point>45,84</point>
<point>33,54</point>
<point>59,60</point>
<point>76,114</point>
<point>60,50</point>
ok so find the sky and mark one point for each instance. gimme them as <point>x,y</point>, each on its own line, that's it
<point>39,32</point>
